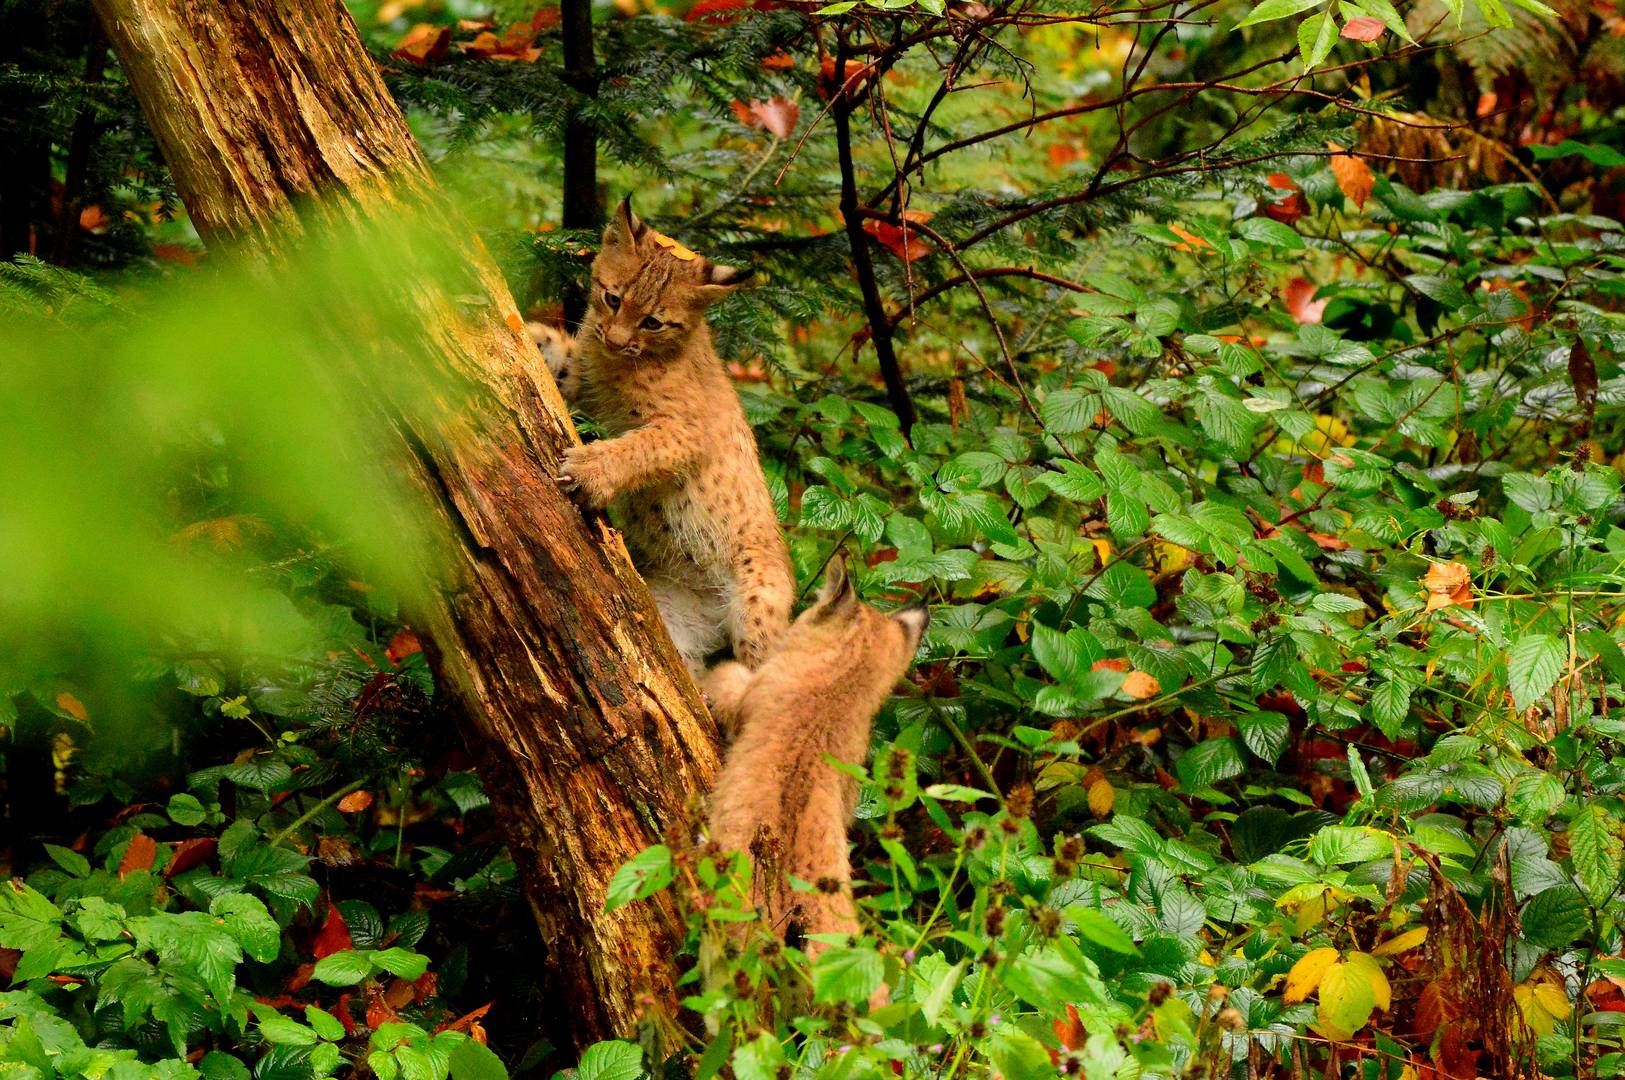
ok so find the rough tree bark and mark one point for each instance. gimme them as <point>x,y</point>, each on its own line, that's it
<point>590,734</point>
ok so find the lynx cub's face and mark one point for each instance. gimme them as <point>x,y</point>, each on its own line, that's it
<point>649,292</point>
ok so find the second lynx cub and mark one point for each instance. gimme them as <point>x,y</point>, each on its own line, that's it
<point>816,693</point>
<point>680,461</point>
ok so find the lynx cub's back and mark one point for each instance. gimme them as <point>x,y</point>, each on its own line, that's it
<point>816,693</point>
<point>680,461</point>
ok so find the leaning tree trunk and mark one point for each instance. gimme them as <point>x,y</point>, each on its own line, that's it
<point>590,734</point>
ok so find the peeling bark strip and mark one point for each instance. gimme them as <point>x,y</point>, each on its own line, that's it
<point>589,732</point>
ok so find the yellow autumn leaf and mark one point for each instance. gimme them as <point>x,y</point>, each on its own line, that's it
<point>1306,974</point>
<point>1168,558</point>
<point>1058,774</point>
<point>673,248</point>
<point>1101,798</point>
<point>1103,550</point>
<point>1410,939</point>
<point>1541,1005</point>
<point>1366,965</point>
<point>1346,1000</point>
<point>1448,583</point>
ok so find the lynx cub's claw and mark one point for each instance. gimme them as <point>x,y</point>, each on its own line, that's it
<point>582,477</point>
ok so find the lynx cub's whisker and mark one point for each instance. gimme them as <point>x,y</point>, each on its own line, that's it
<point>679,463</point>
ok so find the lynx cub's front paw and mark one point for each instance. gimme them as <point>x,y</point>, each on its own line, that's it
<point>583,476</point>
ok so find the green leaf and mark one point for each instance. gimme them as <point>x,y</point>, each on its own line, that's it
<point>1316,37</point>
<point>324,1058</point>
<point>643,875</point>
<point>344,968</point>
<point>185,809</point>
<point>324,1023</point>
<point>247,920</point>
<point>1019,1056</point>
<point>475,1061</point>
<point>1098,927</point>
<point>1533,666</point>
<point>1272,233</point>
<point>759,1059</point>
<point>1270,10</point>
<point>1555,917</point>
<point>1595,846</point>
<point>280,1029</point>
<point>849,975</point>
<point>71,861</point>
<point>408,965</point>
<point>1208,763</point>
<point>612,1059</point>
<point>218,1065</point>
<point>1265,733</point>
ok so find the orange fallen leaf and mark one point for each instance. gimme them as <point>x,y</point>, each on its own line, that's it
<point>1192,241</point>
<point>779,62</point>
<point>1329,543</point>
<point>851,80</point>
<point>138,855</point>
<point>1354,176</point>
<point>72,706</point>
<point>355,802</point>
<point>422,43</point>
<point>1139,685</point>
<point>1363,28</point>
<point>1111,663</point>
<point>1448,583</point>
<point>1299,299</point>
<point>93,220</point>
<point>777,116</point>
<point>1289,208</point>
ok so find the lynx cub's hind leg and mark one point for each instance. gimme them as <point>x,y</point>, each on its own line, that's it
<point>693,618</point>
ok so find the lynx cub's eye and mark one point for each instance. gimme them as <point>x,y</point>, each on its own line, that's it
<point>650,323</point>
<point>612,301</point>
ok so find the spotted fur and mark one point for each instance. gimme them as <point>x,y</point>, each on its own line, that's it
<point>679,463</point>
<point>816,693</point>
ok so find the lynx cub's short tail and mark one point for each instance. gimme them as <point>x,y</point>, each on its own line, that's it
<point>815,693</point>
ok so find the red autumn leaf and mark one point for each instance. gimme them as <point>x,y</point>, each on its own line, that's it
<point>1353,176</point>
<point>1363,28</point>
<point>9,959</point>
<point>851,80</point>
<point>179,254</point>
<point>300,978</point>
<point>426,986</point>
<point>1070,1032</point>
<point>899,239</point>
<point>422,43</point>
<point>379,1013</point>
<point>777,116</point>
<point>139,855</point>
<point>1300,302</point>
<point>72,706</point>
<point>405,643</point>
<point>190,853</point>
<point>546,18</point>
<point>467,1020</point>
<point>334,936</point>
<point>1288,208</point>
<point>342,1011</point>
<point>355,802</point>
<point>1111,663</point>
<point>93,220</point>
<point>779,62</point>
<point>399,994</point>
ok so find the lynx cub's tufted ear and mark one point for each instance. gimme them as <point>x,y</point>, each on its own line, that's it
<point>837,587</point>
<point>722,280</point>
<point>624,229</point>
<point>914,619</point>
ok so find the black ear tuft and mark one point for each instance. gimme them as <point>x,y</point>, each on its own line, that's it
<point>624,227</point>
